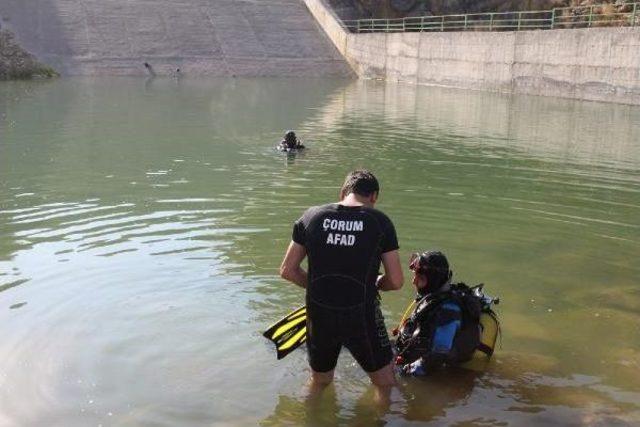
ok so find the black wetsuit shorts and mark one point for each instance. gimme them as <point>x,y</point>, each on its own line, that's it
<point>360,329</point>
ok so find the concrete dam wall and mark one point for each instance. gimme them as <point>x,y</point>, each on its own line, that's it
<point>212,37</point>
<point>599,64</point>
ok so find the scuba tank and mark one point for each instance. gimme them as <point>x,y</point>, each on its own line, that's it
<point>490,327</point>
<point>489,324</point>
<point>489,331</point>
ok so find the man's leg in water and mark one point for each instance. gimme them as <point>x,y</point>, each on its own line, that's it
<point>383,380</point>
<point>319,381</point>
<point>323,347</point>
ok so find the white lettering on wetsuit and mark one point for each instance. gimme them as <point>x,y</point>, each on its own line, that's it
<point>335,225</point>
<point>340,239</point>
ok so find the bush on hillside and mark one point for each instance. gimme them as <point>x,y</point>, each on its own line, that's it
<point>16,63</point>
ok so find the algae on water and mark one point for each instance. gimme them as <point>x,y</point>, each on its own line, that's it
<point>16,63</point>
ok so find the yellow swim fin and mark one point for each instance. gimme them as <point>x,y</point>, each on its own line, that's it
<point>289,332</point>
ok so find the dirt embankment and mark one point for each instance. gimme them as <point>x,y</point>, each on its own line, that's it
<point>16,63</point>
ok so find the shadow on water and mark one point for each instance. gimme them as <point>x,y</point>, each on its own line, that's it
<point>510,392</point>
<point>297,410</point>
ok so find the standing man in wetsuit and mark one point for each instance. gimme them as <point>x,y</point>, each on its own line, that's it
<point>345,243</point>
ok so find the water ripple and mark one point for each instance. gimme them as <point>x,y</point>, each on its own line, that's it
<point>143,226</point>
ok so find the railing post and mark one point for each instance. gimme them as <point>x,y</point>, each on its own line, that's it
<point>553,18</point>
<point>519,19</point>
<point>465,21</point>
<point>404,26</point>
<point>442,23</point>
<point>358,26</point>
<point>388,23</point>
<point>633,15</point>
<point>491,21</point>
<point>590,15</point>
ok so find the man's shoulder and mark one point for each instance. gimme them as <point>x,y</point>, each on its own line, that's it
<point>379,213</point>
<point>318,210</point>
<point>380,216</point>
<point>315,211</point>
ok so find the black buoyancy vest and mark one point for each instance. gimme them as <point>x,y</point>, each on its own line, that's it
<point>415,335</point>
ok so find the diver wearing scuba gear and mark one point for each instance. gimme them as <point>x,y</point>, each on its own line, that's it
<point>290,142</point>
<point>445,327</point>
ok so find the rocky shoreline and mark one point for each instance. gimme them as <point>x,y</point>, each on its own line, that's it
<point>16,63</point>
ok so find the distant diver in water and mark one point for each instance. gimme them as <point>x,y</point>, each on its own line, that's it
<point>290,142</point>
<point>150,70</point>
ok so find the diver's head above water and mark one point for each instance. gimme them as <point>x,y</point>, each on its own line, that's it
<point>360,188</point>
<point>431,271</point>
<point>290,138</point>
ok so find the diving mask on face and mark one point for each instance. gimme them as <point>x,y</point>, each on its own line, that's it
<point>432,265</point>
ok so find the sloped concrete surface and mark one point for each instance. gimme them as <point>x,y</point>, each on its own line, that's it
<point>201,37</point>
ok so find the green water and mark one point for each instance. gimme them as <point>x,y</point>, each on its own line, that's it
<point>142,224</point>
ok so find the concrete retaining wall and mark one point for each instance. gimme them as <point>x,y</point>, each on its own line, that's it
<point>600,64</point>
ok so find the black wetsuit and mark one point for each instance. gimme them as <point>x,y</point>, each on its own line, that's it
<point>344,247</point>
<point>290,145</point>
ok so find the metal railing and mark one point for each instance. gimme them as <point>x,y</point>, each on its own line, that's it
<point>601,15</point>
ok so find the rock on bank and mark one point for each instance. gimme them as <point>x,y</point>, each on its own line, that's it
<point>208,37</point>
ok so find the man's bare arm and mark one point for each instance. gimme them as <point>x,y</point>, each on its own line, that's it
<point>392,278</point>
<point>290,268</point>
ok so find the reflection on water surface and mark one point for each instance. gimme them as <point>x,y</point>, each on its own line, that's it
<point>142,226</point>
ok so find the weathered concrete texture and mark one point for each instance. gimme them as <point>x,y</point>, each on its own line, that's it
<point>213,37</point>
<point>600,64</point>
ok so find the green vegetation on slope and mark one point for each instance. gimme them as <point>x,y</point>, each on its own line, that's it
<point>16,63</point>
